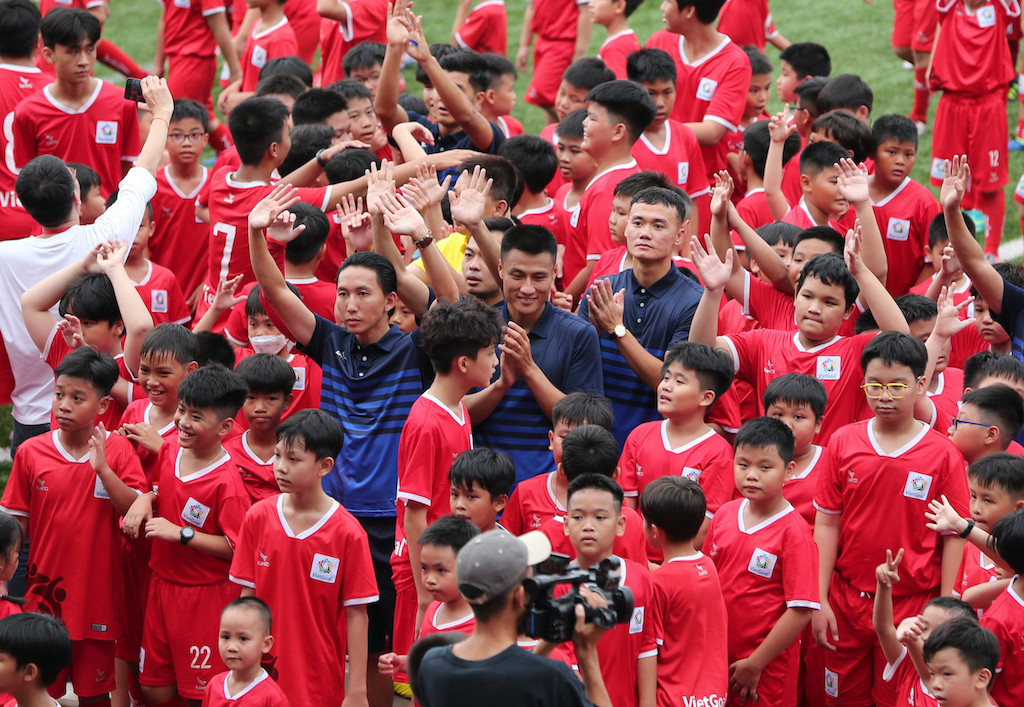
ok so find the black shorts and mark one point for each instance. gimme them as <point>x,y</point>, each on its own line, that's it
<point>380,531</point>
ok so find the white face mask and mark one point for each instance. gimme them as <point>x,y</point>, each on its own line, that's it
<point>269,344</point>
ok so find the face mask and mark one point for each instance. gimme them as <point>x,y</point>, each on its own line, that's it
<point>270,344</point>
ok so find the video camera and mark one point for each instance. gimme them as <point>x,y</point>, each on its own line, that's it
<point>554,618</point>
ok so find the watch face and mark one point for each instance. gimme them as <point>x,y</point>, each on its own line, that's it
<point>188,533</point>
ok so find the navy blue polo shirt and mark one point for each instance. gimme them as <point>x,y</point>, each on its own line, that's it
<point>566,350</point>
<point>1011,318</point>
<point>455,141</point>
<point>658,316</point>
<point>369,390</point>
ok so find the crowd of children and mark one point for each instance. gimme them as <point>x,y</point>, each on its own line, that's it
<point>278,422</point>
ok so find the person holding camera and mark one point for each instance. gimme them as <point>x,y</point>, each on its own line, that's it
<point>489,665</point>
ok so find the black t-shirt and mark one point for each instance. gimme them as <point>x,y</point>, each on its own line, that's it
<point>513,678</point>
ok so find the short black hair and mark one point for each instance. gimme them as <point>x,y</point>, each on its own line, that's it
<point>349,164</point>
<point>215,388</point>
<point>917,308</point>
<point>636,183</point>
<point>937,232</point>
<point>626,102</point>
<point>676,505</point>
<point>459,328</point>
<point>989,363</point>
<point>756,141</point>
<point>820,155</point>
<point>807,94</point>
<point>631,6</point>
<point>46,189</point>
<point>501,172</point>
<point>437,50</point>
<point>468,62</point>
<point>797,389</point>
<point>767,433</point>
<point>412,103</point>
<point>779,232</point>
<point>256,604</point>
<point>893,127</point>
<point>304,247</point>
<point>91,297</point>
<point>68,26</point>
<point>266,373</point>
<point>596,482</point>
<point>583,409</point>
<point>1007,539</point>
<point>351,88</point>
<point>807,59</point>
<point>185,108</point>
<point>589,449</point>
<point>999,405</point>
<point>894,348</point>
<point>955,608</point>
<point>1000,470</point>
<point>317,431</point>
<point>38,639</point>
<point>825,234</point>
<point>317,105</point>
<point>306,141</point>
<point>87,364</point>
<point>759,62</point>
<point>173,341</point>
<point>19,28</point>
<point>706,10</point>
<point>281,85</point>
<point>588,72</point>
<point>214,348</point>
<point>498,67</point>
<point>670,196</point>
<point>713,368</point>
<point>292,65</point>
<point>254,305</point>
<point>847,91</point>
<point>650,65</point>
<point>571,126</point>
<point>977,647</point>
<point>492,471</point>
<point>255,124</point>
<point>535,159</point>
<point>87,177</point>
<point>364,55</point>
<point>449,531</point>
<point>851,134</point>
<point>387,278</point>
<point>530,239</point>
<point>12,535</point>
<point>830,269</point>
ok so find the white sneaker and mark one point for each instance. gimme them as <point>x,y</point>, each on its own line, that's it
<point>922,127</point>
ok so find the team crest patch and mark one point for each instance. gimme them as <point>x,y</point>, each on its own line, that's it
<point>987,16</point>
<point>898,230</point>
<point>683,169</point>
<point>158,301</point>
<point>938,168</point>
<point>300,378</point>
<point>259,56</point>
<point>106,132</point>
<point>195,513</point>
<point>324,568</point>
<point>99,490</point>
<point>636,621</point>
<point>762,563</point>
<point>828,368</point>
<point>917,486</point>
<point>706,88</point>
<point>831,683</point>
<point>692,474</point>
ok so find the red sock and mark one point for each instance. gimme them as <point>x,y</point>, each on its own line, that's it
<point>993,205</point>
<point>921,96</point>
<point>114,57</point>
<point>220,138</point>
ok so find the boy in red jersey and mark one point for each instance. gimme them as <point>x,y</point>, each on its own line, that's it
<point>535,159</point>
<point>891,464</point>
<point>195,525</point>
<point>971,66</point>
<point>78,466</point>
<point>310,561</point>
<point>270,37</point>
<point>1005,618</point>
<point>687,604</point>
<point>713,74</point>
<point>460,339</point>
<point>344,26</point>
<point>987,421</point>
<point>621,41</point>
<point>753,158</point>
<point>562,30</point>
<point>244,640</point>
<point>78,118</point>
<point>484,29</point>
<point>749,22</point>
<point>766,560</point>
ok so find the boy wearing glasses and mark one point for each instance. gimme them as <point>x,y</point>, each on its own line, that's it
<point>880,475</point>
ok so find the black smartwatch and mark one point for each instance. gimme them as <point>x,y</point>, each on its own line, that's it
<point>187,533</point>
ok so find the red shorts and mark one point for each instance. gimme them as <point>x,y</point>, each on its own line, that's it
<point>778,682</point>
<point>192,77</point>
<point>551,57</point>
<point>405,628</point>
<point>179,640</point>
<point>914,24</point>
<point>135,566</point>
<point>853,673</point>
<point>91,670</point>
<point>974,126</point>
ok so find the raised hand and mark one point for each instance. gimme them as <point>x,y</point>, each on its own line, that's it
<point>71,329</point>
<point>378,181</point>
<point>852,251</point>
<point>417,47</point>
<point>397,26</point>
<point>267,210</point>
<point>472,191</point>
<point>948,322</point>
<point>721,194</point>
<point>943,518</point>
<point>98,448</point>
<point>111,255</point>
<point>954,185</point>
<point>887,573</point>
<point>780,125</point>
<point>400,217</point>
<point>355,223</point>
<point>713,272</point>
<point>853,181</point>
<point>283,229</point>
<point>426,176</point>
<point>225,298</point>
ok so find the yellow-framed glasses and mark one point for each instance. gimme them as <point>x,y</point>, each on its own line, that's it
<point>895,390</point>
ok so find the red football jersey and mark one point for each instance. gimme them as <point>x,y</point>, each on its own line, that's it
<point>747,22</point>
<point>590,236</point>
<point>799,489</point>
<point>558,181</point>
<point>486,29</point>
<point>611,262</point>
<point>975,568</point>
<point>179,237</point>
<point>910,688</point>
<point>556,19</point>
<point>971,55</point>
<point>861,484</point>
<point>75,555</point>
<point>103,133</point>
<point>305,392</point>
<point>318,296</point>
<point>549,216</point>
<point>903,218</point>
<point>800,216</point>
<point>16,84</point>
<point>162,294</point>
<point>308,579</point>
<point>510,127</point>
<point>753,209</point>
<point>689,611</point>
<point>764,570</point>
<point>680,158</point>
<point>615,50</point>
<point>141,411</point>
<point>186,32</point>
<point>791,187</point>
<point>949,388</point>
<point>631,545</point>
<point>531,504</point>
<point>430,624</point>
<point>264,44</point>
<point>432,439</point>
<point>261,692</point>
<point>1005,618</point>
<point>366,23</point>
<point>212,500</point>
<point>257,474</point>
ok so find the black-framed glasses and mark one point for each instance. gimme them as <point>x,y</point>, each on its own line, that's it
<point>957,422</point>
<point>193,137</point>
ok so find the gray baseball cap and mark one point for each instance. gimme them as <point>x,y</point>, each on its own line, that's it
<point>490,564</point>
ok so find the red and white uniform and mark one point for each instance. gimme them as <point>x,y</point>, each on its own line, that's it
<point>969,57</point>
<point>366,23</point>
<point>261,692</point>
<point>486,29</point>
<point>549,216</point>
<point>689,611</point>
<point>615,50</point>
<point>764,570</point>
<point>510,127</point>
<point>1005,618</point>
<point>431,625</point>
<point>911,689</point>
<point>186,32</point>
<point>631,545</point>
<point>799,489</point>
<point>141,411</point>
<point>179,236</point>
<point>305,392</point>
<point>103,133</point>
<point>772,308</point>
<point>975,568</point>
<point>16,84</point>
<point>713,88</point>
<point>318,296</point>
<point>747,22</point>
<point>680,158</point>
<point>257,473</point>
<point>75,557</point>
<point>264,44</point>
<point>762,355</point>
<point>800,216</point>
<point>308,579</point>
<point>949,387</point>
<point>903,218</point>
<point>754,210</point>
<point>531,504</point>
<point>162,294</point>
<point>589,237</point>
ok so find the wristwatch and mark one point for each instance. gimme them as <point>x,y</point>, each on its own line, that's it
<point>319,159</point>
<point>425,241</point>
<point>618,332</point>
<point>187,533</point>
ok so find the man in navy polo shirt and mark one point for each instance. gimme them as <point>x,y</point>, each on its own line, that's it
<point>546,354</point>
<point>642,311</point>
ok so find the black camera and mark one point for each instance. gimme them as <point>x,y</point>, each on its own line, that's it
<point>554,618</point>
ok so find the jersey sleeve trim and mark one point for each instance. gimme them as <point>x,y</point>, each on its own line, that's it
<point>702,192</point>
<point>45,353</point>
<point>735,355</point>
<point>13,512</point>
<point>890,668</point>
<point>361,600</point>
<point>413,497</point>
<point>461,42</point>
<point>347,32</point>
<point>183,321</point>
<point>721,121</point>
<point>243,582</point>
<point>214,11</point>
<point>648,654</point>
<point>828,511</point>
<point>803,604</point>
